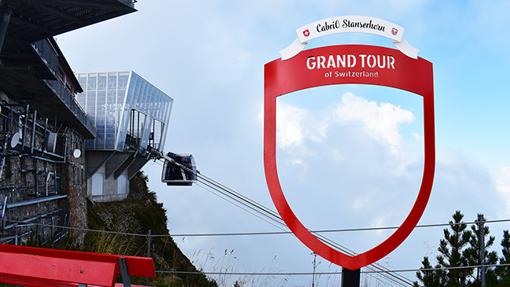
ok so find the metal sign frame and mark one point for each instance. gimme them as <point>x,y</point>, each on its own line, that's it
<point>286,76</point>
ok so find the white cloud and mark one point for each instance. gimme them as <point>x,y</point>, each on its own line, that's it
<point>347,147</point>
<point>380,121</point>
<point>295,125</point>
<point>362,202</point>
<point>290,128</point>
<point>379,221</point>
<point>502,182</point>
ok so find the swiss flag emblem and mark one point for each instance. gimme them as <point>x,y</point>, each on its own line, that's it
<point>394,31</point>
<point>306,33</point>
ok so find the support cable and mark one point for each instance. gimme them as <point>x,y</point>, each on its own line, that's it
<point>243,199</point>
<point>333,272</point>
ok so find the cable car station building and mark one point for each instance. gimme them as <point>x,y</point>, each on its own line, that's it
<point>43,129</point>
<point>130,116</point>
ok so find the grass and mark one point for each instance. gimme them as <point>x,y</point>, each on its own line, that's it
<point>139,213</point>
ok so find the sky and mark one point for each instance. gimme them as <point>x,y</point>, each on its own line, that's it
<point>348,156</point>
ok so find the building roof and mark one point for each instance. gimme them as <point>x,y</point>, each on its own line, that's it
<point>36,20</point>
<point>33,69</point>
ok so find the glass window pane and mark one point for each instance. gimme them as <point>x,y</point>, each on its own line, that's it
<point>112,80</point>
<point>123,79</point>
<point>101,82</point>
<point>91,83</point>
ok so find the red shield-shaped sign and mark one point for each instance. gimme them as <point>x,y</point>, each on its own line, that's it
<point>371,65</point>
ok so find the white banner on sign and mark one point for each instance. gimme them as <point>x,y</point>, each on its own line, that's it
<point>349,24</point>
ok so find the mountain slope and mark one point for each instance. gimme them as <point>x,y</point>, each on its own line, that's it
<point>139,213</point>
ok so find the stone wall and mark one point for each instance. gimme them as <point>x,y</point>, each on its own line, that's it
<point>42,187</point>
<point>76,185</point>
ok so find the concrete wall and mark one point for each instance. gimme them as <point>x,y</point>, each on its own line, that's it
<point>105,189</point>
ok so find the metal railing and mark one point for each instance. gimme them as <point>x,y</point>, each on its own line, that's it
<point>68,98</point>
<point>47,54</point>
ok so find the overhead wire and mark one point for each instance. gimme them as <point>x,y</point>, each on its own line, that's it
<point>270,213</point>
<point>335,272</point>
<point>239,206</point>
<point>271,217</point>
<point>261,233</point>
<point>282,273</point>
<point>339,230</point>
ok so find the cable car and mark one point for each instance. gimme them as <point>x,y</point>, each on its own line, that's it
<point>179,169</point>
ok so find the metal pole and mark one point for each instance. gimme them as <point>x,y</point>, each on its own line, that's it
<point>16,235</point>
<point>126,281</point>
<point>314,266</point>
<point>37,233</point>
<point>149,243</point>
<point>34,126</point>
<point>52,235</point>
<point>481,228</point>
<point>149,250</point>
<point>25,128</point>
<point>350,278</point>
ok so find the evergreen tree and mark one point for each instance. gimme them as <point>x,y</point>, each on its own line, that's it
<point>488,257</point>
<point>503,272</point>
<point>429,277</point>
<point>453,250</point>
<point>452,253</point>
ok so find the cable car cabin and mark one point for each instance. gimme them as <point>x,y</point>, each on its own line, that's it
<point>181,172</point>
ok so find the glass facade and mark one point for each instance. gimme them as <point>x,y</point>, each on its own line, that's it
<point>126,110</point>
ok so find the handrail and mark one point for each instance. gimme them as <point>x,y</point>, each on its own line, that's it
<point>68,98</point>
<point>47,54</point>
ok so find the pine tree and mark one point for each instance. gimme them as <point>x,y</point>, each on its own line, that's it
<point>428,277</point>
<point>452,253</point>
<point>488,257</point>
<point>503,272</point>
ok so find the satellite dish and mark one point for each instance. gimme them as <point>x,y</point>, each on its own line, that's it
<point>77,153</point>
<point>15,140</point>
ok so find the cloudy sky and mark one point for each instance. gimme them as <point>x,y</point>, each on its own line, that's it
<point>348,156</point>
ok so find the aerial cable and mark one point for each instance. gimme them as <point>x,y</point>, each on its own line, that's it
<point>268,212</point>
<point>334,272</point>
<point>207,188</point>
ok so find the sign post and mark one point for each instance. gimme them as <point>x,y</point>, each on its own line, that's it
<point>348,64</point>
<point>350,278</point>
